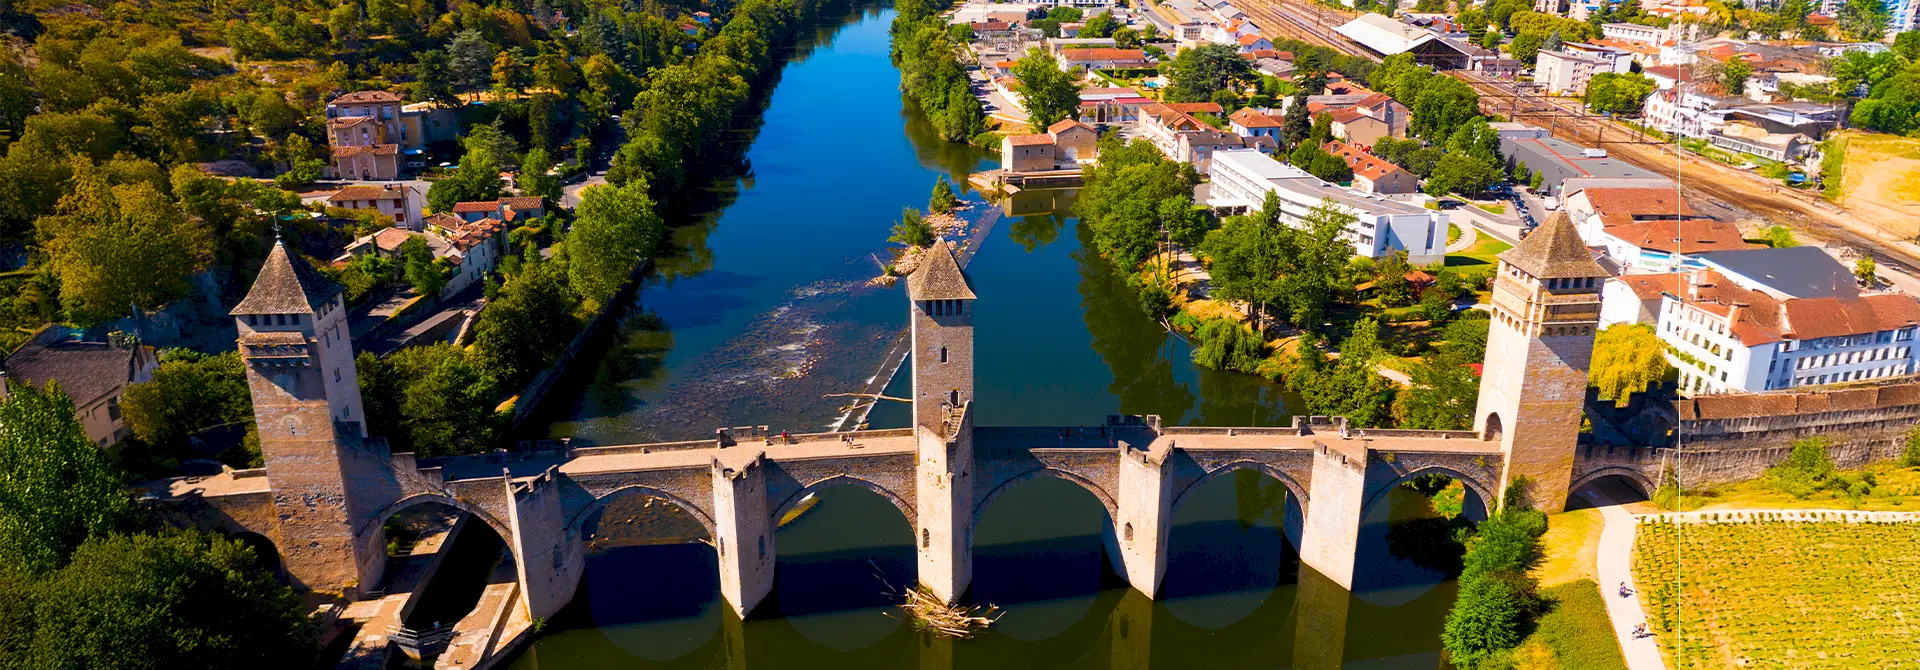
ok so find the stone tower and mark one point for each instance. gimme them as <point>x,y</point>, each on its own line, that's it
<point>942,316</point>
<point>1546,305</point>
<point>941,309</point>
<point>306,403</point>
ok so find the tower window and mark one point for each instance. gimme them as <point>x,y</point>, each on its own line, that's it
<point>943,354</point>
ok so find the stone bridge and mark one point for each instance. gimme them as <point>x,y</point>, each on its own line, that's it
<point>740,484</point>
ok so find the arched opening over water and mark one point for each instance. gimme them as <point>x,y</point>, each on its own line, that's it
<point>1234,566</point>
<point>650,590</point>
<point>1412,534</point>
<point>1043,549</point>
<point>843,550</point>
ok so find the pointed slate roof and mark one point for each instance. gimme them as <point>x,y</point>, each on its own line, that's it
<point>939,276</point>
<point>286,285</point>
<point>1554,251</point>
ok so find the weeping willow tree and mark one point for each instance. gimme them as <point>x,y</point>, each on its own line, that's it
<point>1627,359</point>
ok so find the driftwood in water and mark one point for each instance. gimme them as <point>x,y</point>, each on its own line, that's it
<point>930,613</point>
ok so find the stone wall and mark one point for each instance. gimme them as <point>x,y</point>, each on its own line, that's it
<point>1731,438</point>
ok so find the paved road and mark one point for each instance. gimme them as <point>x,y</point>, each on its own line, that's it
<point>1469,234</point>
<point>1614,565</point>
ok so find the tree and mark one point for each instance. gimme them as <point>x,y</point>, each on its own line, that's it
<point>1864,270</point>
<point>534,179</point>
<point>1526,47</point>
<point>1486,617</point>
<point>1627,359</point>
<point>1101,25</point>
<point>1226,344</point>
<point>526,325</point>
<point>1197,73</point>
<point>1911,456</point>
<point>1295,124</point>
<point>1126,38</point>
<point>1608,92</point>
<point>943,198</point>
<point>1049,94</point>
<point>614,230</point>
<point>1474,21</point>
<point>56,489</point>
<point>1122,197</point>
<point>189,393</point>
<point>421,269</point>
<point>1444,104</point>
<point>1443,394</point>
<point>477,178</point>
<point>912,230</point>
<point>1780,237</point>
<point>1552,43</point>
<point>1864,20</point>
<point>1390,280</point>
<point>178,600</point>
<point>1466,339</point>
<point>1733,76</point>
<point>1317,162</point>
<point>120,247</point>
<point>1466,175</point>
<point>470,56</point>
<point>432,400</point>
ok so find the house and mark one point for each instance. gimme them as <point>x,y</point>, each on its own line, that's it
<point>1646,227</point>
<point>507,210</point>
<point>1250,122</point>
<point>1075,141</point>
<point>1252,43</point>
<point>1060,45</point>
<point>702,18</point>
<point>1371,174</point>
<point>1633,32</point>
<point>1729,336</point>
<point>95,374</point>
<point>1242,178</point>
<point>1180,136</point>
<point>1350,125</point>
<point>369,131</point>
<point>391,200</point>
<point>1028,153</point>
<point>1102,59</point>
<point>1102,107</point>
<point>471,249</point>
<point>1616,60</point>
<point>1566,72</point>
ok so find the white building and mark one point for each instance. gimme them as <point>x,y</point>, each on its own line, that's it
<point>1567,73</point>
<point>1633,32</point>
<point>1242,179</point>
<point>389,200</point>
<point>1769,319</point>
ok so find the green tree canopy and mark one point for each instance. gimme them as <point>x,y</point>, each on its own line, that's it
<point>56,489</point>
<point>179,600</point>
<point>432,400</point>
<point>526,325</point>
<point>1627,359</point>
<point>1614,93</point>
<point>1049,94</point>
<point>614,230</point>
<point>1198,73</point>
<point>120,247</point>
<point>1100,25</point>
<point>189,393</point>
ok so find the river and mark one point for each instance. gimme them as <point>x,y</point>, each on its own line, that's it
<point>763,310</point>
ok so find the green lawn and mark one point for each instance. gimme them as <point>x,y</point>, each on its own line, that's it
<point>1483,252</point>
<point>1574,635</point>
<point>1896,488</point>
<point>1453,233</point>
<point>1495,208</point>
<point>1776,594</point>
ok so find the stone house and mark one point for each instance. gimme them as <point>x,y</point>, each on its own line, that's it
<point>1173,130</point>
<point>95,374</point>
<point>1250,122</point>
<point>1028,153</point>
<point>1102,59</point>
<point>392,200</point>
<point>1371,174</point>
<point>508,209</point>
<point>1075,141</point>
<point>472,249</point>
<point>1352,126</point>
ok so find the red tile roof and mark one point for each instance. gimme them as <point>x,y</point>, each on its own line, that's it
<point>367,192</point>
<point>1362,163</point>
<point>1064,125</point>
<point>1195,107</point>
<point>523,202</point>
<point>360,97</point>
<point>1757,318</point>
<point>1638,201</point>
<point>476,206</point>
<point>1085,55</point>
<point>1649,287</point>
<point>1029,140</point>
<point>1250,40</point>
<point>1247,117</point>
<point>1694,236</point>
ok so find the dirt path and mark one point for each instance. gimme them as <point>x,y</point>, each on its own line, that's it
<point>1614,566</point>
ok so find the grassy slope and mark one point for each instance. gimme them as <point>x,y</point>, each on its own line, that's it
<point>1572,542</point>
<point>1483,252</point>
<point>1898,490</point>
<point>1574,635</point>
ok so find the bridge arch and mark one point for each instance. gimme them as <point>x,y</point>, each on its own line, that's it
<point>1299,492</point>
<point>577,525</point>
<point>1639,479</point>
<point>1106,499</point>
<point>906,509</point>
<point>370,533</point>
<point>1487,500</point>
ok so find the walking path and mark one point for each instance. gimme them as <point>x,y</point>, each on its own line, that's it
<point>1469,234</point>
<point>1614,566</point>
<point>1807,515</point>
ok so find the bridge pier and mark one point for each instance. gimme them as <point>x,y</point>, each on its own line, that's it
<point>1146,515</point>
<point>1130,628</point>
<point>1320,613</point>
<point>742,529</point>
<point>944,502</point>
<point>548,558</point>
<point>1338,491</point>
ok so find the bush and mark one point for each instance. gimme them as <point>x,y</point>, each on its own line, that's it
<point>1912,456</point>
<point>1226,344</point>
<point>1806,470</point>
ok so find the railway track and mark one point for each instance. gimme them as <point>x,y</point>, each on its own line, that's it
<point>1693,173</point>
<point>1303,21</point>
